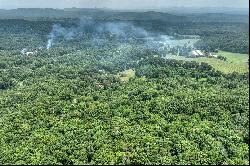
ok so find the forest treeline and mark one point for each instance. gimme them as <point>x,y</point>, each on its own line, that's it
<point>69,105</point>
<point>226,36</point>
<point>73,109</point>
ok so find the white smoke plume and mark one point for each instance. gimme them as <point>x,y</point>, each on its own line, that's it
<point>59,31</point>
<point>123,31</point>
<point>118,29</point>
<point>50,41</point>
<point>24,50</point>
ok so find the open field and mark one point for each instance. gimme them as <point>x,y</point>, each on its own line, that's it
<point>235,62</point>
<point>126,75</point>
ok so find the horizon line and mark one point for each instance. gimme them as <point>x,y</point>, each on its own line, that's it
<point>125,8</point>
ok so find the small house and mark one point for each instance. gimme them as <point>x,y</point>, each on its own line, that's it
<point>196,53</point>
<point>200,53</point>
<point>29,53</point>
<point>210,55</point>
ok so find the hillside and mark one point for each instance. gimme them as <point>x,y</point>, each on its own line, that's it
<point>94,13</point>
<point>105,14</point>
<point>72,109</point>
<point>99,90</point>
<point>234,63</point>
<point>219,17</point>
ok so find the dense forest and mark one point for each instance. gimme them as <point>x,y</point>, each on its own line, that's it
<point>233,37</point>
<point>94,97</point>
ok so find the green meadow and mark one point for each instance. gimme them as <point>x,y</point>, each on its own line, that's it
<point>235,62</point>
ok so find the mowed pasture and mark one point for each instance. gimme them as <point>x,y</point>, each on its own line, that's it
<point>235,62</point>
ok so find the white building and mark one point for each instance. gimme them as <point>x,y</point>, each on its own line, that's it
<point>200,53</point>
<point>212,55</point>
<point>197,53</point>
<point>29,53</point>
<point>194,54</point>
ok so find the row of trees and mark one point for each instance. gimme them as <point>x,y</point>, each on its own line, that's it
<point>21,34</point>
<point>71,108</point>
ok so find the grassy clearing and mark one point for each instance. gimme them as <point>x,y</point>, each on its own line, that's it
<point>126,75</point>
<point>235,62</point>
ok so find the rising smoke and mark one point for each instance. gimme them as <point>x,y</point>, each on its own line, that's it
<point>102,31</point>
<point>24,50</point>
<point>121,30</point>
<point>59,31</point>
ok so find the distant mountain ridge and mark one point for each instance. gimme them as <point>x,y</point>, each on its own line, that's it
<point>94,13</point>
<point>107,14</point>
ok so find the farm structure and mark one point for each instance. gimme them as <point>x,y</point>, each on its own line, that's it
<point>196,53</point>
<point>199,53</point>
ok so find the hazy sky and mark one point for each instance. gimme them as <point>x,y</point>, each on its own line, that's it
<point>121,4</point>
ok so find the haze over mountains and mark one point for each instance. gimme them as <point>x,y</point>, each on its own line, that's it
<point>102,14</point>
<point>121,4</point>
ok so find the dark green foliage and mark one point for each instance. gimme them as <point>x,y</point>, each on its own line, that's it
<point>222,58</point>
<point>180,113</point>
<point>231,41</point>
<point>63,106</point>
